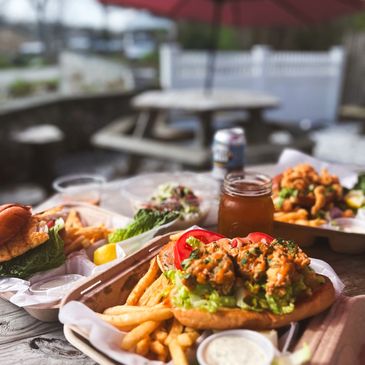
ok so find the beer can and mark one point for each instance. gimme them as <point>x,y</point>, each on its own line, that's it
<point>228,151</point>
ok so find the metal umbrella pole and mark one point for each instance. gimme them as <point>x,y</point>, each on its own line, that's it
<point>211,56</point>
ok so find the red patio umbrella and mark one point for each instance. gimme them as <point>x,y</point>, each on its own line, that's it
<point>239,13</point>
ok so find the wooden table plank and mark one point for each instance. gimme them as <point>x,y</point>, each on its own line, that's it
<point>350,268</point>
<point>16,324</point>
<point>25,340</point>
<point>50,349</point>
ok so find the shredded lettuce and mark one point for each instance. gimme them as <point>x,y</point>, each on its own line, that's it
<point>202,297</point>
<point>280,305</point>
<point>193,242</point>
<point>254,297</point>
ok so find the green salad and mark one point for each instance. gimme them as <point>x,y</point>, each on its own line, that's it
<point>175,197</point>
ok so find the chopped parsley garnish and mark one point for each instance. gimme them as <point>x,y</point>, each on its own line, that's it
<point>285,193</point>
<point>193,256</point>
<point>288,192</point>
<point>255,251</point>
<point>321,214</point>
<point>291,246</point>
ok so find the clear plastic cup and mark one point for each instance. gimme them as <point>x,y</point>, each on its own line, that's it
<point>56,286</point>
<point>80,188</point>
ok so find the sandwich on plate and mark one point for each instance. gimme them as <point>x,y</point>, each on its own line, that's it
<point>256,282</point>
<point>28,243</point>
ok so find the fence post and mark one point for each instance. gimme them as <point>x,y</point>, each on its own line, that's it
<point>168,56</point>
<point>260,55</point>
<point>337,60</point>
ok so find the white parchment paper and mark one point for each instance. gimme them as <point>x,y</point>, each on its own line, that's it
<point>102,335</point>
<point>290,158</point>
<point>79,262</point>
<point>107,338</point>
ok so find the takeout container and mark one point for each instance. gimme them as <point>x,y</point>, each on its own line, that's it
<point>110,288</point>
<point>330,335</point>
<point>139,189</point>
<point>306,236</point>
<point>90,215</point>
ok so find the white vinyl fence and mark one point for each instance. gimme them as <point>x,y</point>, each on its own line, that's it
<point>307,83</point>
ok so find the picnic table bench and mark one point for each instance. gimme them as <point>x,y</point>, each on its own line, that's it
<point>154,105</point>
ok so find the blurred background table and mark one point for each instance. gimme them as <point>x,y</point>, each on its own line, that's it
<point>205,104</point>
<point>154,106</point>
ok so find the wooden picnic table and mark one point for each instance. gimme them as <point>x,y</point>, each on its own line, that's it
<point>153,106</point>
<point>25,340</point>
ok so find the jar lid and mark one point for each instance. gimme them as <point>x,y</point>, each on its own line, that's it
<point>247,183</point>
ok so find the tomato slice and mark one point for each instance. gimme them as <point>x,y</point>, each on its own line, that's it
<point>182,249</point>
<point>50,224</point>
<point>259,236</point>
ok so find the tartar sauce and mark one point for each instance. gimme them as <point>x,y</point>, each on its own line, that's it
<point>234,350</point>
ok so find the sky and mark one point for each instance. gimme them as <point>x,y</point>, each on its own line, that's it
<point>82,13</point>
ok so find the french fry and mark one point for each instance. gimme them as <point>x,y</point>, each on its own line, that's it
<point>137,334</point>
<point>153,294</point>
<point>121,309</point>
<point>137,317</point>
<point>176,329</point>
<point>177,353</point>
<point>302,222</point>
<point>153,291</point>
<point>143,346</point>
<point>176,236</point>
<point>159,349</point>
<point>73,220</point>
<point>316,222</point>
<point>93,233</point>
<point>187,339</point>
<point>143,283</point>
<point>292,216</point>
<point>75,245</point>
<point>160,335</point>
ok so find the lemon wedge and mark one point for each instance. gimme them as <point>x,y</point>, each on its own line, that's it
<point>355,199</point>
<point>105,254</point>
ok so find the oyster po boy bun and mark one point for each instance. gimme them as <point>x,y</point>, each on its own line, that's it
<point>226,318</point>
<point>255,282</point>
<point>13,218</point>
<point>28,243</point>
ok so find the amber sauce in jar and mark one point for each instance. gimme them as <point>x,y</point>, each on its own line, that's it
<point>245,205</point>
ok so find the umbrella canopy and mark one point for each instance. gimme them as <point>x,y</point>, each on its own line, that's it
<point>248,12</point>
<point>241,13</point>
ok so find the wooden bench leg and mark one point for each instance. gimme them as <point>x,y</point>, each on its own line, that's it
<point>133,164</point>
<point>145,124</point>
<point>257,130</point>
<point>205,131</point>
